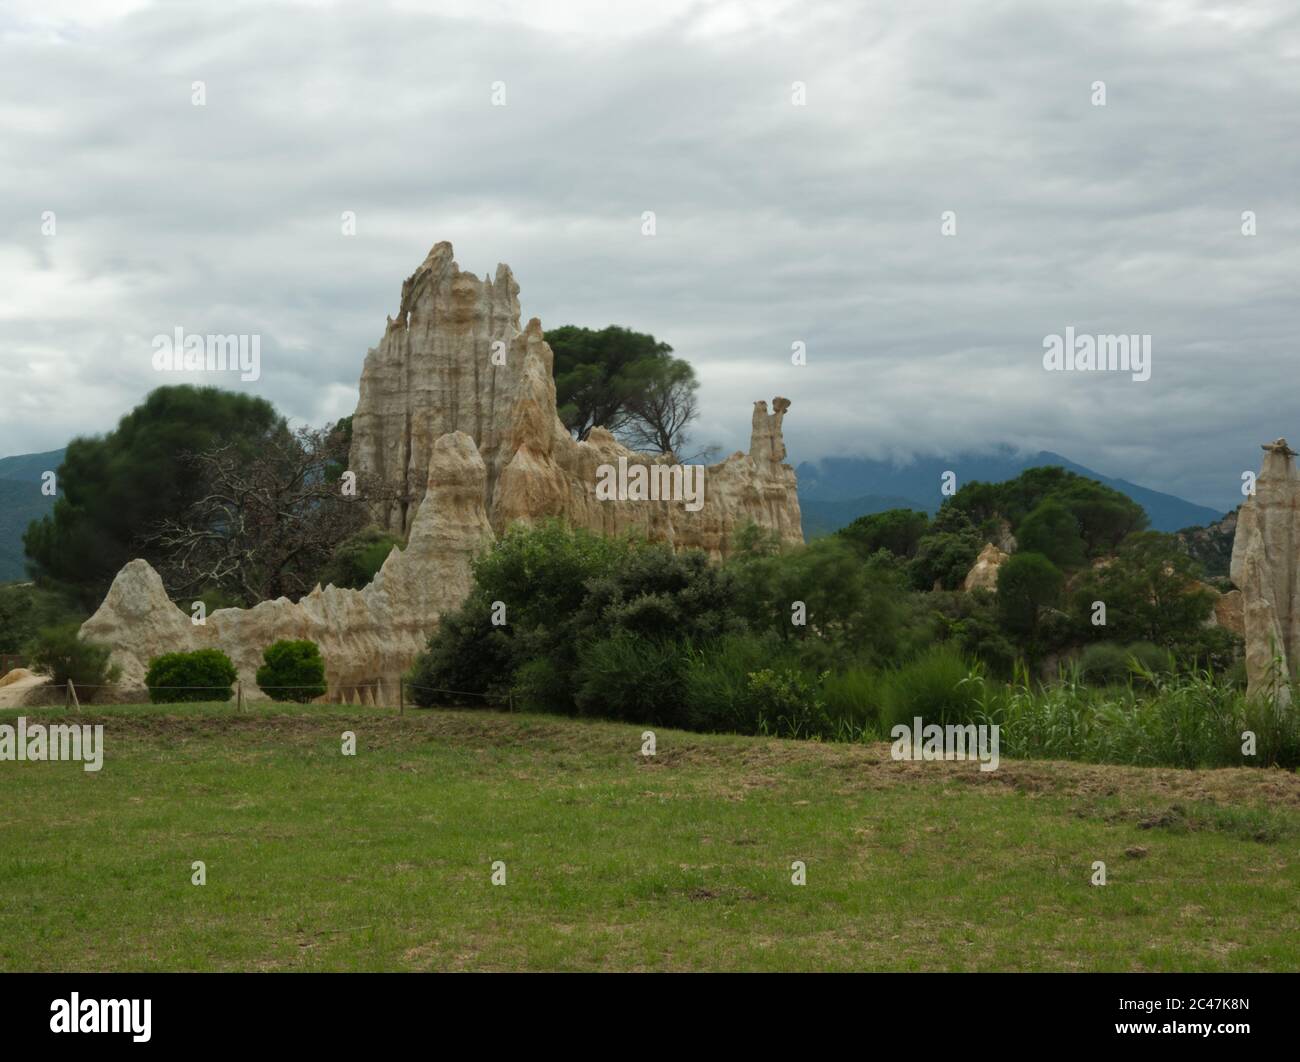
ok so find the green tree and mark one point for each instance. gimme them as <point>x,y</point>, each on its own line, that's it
<point>1052,530</point>
<point>113,489</point>
<point>897,530</point>
<point>25,609</point>
<point>944,555</point>
<point>359,557</point>
<point>1027,582</point>
<point>1152,592</point>
<point>625,381</point>
<point>1104,515</point>
<point>827,601</point>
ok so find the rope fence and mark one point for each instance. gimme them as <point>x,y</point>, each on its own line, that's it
<point>370,700</point>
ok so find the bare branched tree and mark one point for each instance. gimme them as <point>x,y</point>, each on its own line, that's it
<point>661,409</point>
<point>266,522</point>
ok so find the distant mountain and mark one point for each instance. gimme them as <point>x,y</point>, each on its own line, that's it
<point>830,489</point>
<point>821,517</point>
<point>21,502</point>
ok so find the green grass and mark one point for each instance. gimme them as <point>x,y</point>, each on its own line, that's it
<point>316,861</point>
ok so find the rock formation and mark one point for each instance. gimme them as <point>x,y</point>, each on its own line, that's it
<point>983,574</point>
<point>1228,613</point>
<point>455,359</point>
<point>457,411</point>
<point>367,637</point>
<point>1265,553</point>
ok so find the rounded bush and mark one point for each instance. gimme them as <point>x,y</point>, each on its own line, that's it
<point>1104,664</point>
<point>203,675</point>
<point>293,671</point>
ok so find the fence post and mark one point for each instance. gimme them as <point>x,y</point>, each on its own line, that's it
<point>67,694</point>
<point>239,696</point>
<point>72,696</point>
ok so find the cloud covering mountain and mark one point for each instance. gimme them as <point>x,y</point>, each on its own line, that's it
<point>775,223</point>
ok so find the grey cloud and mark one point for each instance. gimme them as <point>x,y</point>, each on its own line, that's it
<point>776,223</point>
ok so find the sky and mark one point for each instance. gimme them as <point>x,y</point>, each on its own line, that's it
<point>800,161</point>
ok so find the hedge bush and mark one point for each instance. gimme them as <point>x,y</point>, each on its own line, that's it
<point>292,671</point>
<point>178,678</point>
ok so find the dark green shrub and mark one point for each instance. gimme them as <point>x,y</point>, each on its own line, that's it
<point>1104,664</point>
<point>203,675</point>
<point>854,608</point>
<point>1152,593</point>
<point>542,685</point>
<point>293,671</point>
<point>358,558</point>
<point>970,622</point>
<point>716,684</point>
<point>853,696</point>
<point>789,704</point>
<point>64,655</point>
<point>641,680</point>
<point>468,654</point>
<point>939,686</point>
<point>27,609</point>
<point>1027,583</point>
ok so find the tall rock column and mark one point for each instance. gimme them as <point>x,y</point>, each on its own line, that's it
<point>1264,559</point>
<point>441,366</point>
<point>455,359</point>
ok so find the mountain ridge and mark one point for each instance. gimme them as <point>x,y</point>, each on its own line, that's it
<point>830,488</point>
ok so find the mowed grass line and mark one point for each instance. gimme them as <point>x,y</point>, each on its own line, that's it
<point>382,861</point>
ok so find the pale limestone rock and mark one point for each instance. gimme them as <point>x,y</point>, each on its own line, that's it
<point>16,675</point>
<point>1265,552</point>
<point>366,636</point>
<point>434,371</point>
<point>21,688</point>
<point>1228,613</point>
<point>983,574</point>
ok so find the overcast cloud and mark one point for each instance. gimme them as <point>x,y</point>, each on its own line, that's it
<point>776,223</point>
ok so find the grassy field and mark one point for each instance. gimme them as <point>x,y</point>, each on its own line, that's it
<point>383,861</point>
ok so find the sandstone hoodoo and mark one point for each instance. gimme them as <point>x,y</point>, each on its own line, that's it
<point>457,413</point>
<point>455,359</point>
<point>1265,553</point>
